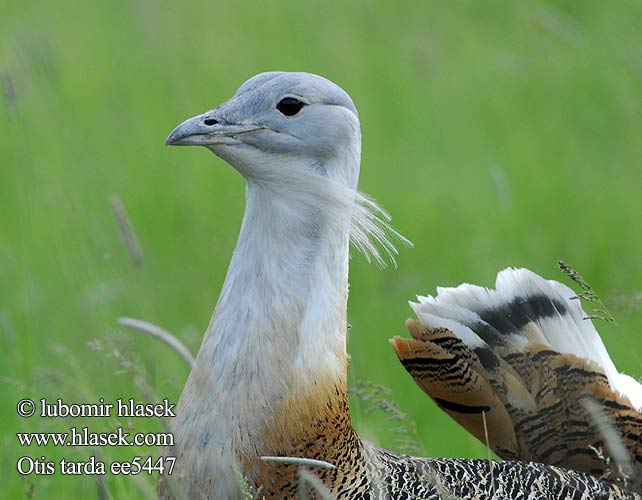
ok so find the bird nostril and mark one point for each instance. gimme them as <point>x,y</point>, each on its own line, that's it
<point>210,121</point>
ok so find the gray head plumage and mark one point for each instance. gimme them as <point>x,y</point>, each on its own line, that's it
<point>297,134</point>
<point>278,117</point>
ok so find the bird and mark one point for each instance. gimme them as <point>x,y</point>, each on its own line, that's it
<point>264,412</point>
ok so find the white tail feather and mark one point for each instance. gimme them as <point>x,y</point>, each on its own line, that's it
<point>525,308</point>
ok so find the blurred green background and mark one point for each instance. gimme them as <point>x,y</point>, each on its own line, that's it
<point>495,133</point>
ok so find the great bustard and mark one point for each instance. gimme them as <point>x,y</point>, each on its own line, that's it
<point>270,376</point>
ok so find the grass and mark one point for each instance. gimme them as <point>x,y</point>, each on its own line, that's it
<point>496,135</point>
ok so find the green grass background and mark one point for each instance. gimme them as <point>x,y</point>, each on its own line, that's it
<point>496,133</point>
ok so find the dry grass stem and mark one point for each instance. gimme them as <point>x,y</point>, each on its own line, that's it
<point>130,239</point>
<point>158,333</point>
<point>603,423</point>
<point>309,462</point>
<point>309,479</point>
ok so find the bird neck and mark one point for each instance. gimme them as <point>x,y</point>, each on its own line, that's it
<point>272,366</point>
<point>282,309</point>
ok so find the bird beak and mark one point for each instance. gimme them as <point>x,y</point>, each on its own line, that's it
<point>208,129</point>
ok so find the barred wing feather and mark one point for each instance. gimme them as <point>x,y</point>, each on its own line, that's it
<point>523,364</point>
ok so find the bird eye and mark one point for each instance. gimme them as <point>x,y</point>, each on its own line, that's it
<point>289,106</point>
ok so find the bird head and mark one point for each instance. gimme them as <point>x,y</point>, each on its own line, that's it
<point>297,135</point>
<point>280,124</point>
